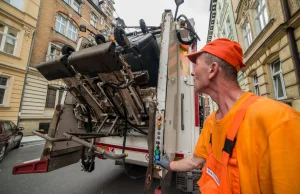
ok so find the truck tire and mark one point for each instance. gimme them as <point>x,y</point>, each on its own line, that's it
<point>143,26</point>
<point>67,49</point>
<point>135,171</point>
<point>100,39</point>
<point>118,34</point>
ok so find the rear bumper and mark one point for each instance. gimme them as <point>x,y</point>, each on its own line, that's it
<point>33,166</point>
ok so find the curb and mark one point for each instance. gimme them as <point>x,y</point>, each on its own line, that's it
<point>32,141</point>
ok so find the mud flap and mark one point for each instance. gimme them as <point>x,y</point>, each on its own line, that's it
<point>151,136</point>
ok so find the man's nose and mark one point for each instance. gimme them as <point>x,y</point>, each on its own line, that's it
<point>192,74</point>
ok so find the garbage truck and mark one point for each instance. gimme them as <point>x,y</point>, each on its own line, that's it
<point>129,99</point>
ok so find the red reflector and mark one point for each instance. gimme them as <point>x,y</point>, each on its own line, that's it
<point>179,155</point>
<point>157,191</point>
<point>38,166</point>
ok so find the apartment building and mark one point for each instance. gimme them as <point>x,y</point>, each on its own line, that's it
<point>18,20</point>
<point>58,25</point>
<point>269,32</point>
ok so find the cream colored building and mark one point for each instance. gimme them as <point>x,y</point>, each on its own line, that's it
<point>18,19</point>
<point>269,31</point>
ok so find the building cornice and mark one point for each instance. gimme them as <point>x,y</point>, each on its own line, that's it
<point>13,68</point>
<point>277,34</point>
<point>17,19</point>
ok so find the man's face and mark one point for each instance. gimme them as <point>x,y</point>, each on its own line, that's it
<point>201,75</point>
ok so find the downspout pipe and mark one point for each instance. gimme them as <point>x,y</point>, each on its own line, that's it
<point>291,39</point>
<point>28,65</point>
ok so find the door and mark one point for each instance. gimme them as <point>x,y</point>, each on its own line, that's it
<point>15,132</point>
<point>8,134</point>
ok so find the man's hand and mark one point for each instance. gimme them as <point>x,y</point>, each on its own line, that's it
<point>164,162</point>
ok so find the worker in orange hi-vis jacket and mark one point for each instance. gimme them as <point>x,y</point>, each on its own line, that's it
<point>251,144</point>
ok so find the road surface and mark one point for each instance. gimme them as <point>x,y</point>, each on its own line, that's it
<point>106,179</point>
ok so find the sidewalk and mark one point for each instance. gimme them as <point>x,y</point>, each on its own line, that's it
<point>31,139</point>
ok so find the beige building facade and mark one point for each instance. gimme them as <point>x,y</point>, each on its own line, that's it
<point>58,25</point>
<point>18,20</point>
<point>269,32</point>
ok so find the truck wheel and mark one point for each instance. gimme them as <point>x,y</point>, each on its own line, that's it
<point>135,171</point>
<point>143,26</point>
<point>2,152</point>
<point>100,39</point>
<point>67,49</point>
<point>118,33</point>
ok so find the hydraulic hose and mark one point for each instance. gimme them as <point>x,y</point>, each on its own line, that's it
<point>190,29</point>
<point>91,146</point>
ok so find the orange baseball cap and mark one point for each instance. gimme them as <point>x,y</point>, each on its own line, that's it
<point>229,51</point>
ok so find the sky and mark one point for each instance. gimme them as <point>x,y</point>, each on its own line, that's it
<point>131,11</point>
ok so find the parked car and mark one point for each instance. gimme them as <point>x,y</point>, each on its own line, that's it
<point>10,137</point>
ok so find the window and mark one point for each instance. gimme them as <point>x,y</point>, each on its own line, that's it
<point>50,99</point>
<point>3,87</point>
<point>72,33</point>
<point>261,17</point>
<point>66,27</point>
<point>7,127</point>
<point>60,24</point>
<point>74,4</point>
<point>44,126</point>
<point>13,126</point>
<point>228,26</point>
<point>255,84</point>
<point>247,35</point>
<point>102,5</point>
<point>54,51</point>
<point>94,20</point>
<point>60,94</point>
<point>109,12</point>
<point>8,39</point>
<point>101,20</point>
<point>278,82</point>
<point>16,3</point>
<point>54,97</point>
<point>106,32</point>
<point>96,2</point>
<point>92,39</point>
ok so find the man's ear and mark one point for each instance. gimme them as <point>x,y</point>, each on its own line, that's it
<point>213,70</point>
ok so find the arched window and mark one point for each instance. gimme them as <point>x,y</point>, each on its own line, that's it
<point>66,27</point>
